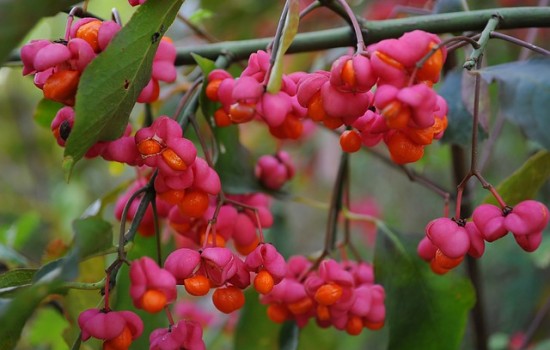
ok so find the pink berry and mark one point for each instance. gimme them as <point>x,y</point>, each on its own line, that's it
<point>489,220</point>
<point>449,237</point>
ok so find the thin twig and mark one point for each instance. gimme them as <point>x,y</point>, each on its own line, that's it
<point>335,204</point>
<point>520,42</point>
<point>197,30</point>
<point>314,5</point>
<point>360,41</point>
<point>531,34</point>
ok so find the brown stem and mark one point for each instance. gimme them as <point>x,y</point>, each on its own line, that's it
<point>520,42</point>
<point>413,176</point>
<point>157,231</point>
<point>336,204</point>
<point>197,30</point>
<point>465,207</point>
<point>360,41</point>
<point>314,5</point>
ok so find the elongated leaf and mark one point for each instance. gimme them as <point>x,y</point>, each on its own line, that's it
<point>524,95</point>
<point>93,236</point>
<point>525,182</point>
<point>234,162</point>
<point>14,315</point>
<point>289,32</point>
<point>63,269</point>
<point>424,310</point>
<point>110,85</point>
<point>16,277</point>
<point>17,17</point>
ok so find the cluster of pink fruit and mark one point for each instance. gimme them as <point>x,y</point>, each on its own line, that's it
<point>339,294</point>
<point>57,66</point>
<point>152,288</point>
<point>447,240</point>
<point>404,111</point>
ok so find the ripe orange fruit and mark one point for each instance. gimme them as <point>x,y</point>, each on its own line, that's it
<point>301,306</point>
<point>315,108</point>
<point>402,149</point>
<point>445,262</point>
<point>211,90</point>
<point>328,294</point>
<point>221,118</point>
<point>173,160</point>
<point>197,285</point>
<point>431,68</point>
<point>120,342</point>
<point>172,196</point>
<point>241,112</point>
<point>153,301</point>
<point>277,313</point>
<point>263,282</point>
<point>88,32</point>
<point>61,86</point>
<point>350,141</point>
<point>194,203</point>
<point>354,325</point>
<point>149,147</point>
<point>228,299</point>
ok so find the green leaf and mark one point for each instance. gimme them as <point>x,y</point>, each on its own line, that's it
<point>17,17</point>
<point>424,310</point>
<point>254,316</point>
<point>93,236</point>
<point>46,329</point>
<point>204,64</point>
<point>14,315</point>
<point>16,277</point>
<point>45,112</point>
<point>110,85</point>
<point>459,129</point>
<point>288,337</point>
<point>63,269</point>
<point>200,15</point>
<point>524,95</point>
<point>234,163</point>
<point>525,182</point>
<point>290,29</point>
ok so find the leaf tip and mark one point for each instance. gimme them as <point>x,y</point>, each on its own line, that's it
<point>68,165</point>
